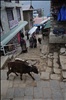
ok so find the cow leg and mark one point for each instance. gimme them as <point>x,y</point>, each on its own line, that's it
<point>16,73</point>
<point>31,76</point>
<point>20,76</point>
<point>8,74</point>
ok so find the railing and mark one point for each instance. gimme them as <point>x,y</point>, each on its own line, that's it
<point>10,48</point>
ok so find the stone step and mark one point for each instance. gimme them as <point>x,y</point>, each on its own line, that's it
<point>3,61</point>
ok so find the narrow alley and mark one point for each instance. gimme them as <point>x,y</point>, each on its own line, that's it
<point>48,84</point>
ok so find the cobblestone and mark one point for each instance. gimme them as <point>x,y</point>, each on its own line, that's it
<point>19,92</point>
<point>38,93</point>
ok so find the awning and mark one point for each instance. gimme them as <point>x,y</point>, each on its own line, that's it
<point>8,36</point>
<point>32,30</point>
<point>48,25</point>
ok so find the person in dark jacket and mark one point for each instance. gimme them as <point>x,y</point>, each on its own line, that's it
<point>34,42</point>
<point>23,45</point>
<point>31,42</point>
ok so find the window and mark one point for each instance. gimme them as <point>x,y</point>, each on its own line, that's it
<point>18,14</point>
<point>17,1</point>
<point>7,0</point>
<point>10,14</point>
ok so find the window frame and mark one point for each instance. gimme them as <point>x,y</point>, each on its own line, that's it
<point>18,16</point>
<point>11,13</point>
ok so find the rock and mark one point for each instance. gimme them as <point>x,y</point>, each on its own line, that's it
<point>62,50</point>
<point>50,55</point>
<point>45,56</point>
<point>64,74</point>
<point>56,70</point>
<point>43,68</point>
<point>63,62</point>
<point>55,64</point>
<point>44,49</point>
<point>55,55</point>
<point>45,75</point>
<point>49,62</point>
<point>49,70</point>
<point>63,66</point>
<point>55,77</point>
<point>55,60</point>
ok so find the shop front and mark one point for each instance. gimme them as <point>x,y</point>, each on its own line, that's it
<point>8,40</point>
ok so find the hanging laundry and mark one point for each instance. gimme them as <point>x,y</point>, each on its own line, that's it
<point>62,14</point>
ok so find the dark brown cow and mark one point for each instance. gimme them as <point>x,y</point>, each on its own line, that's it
<point>21,67</point>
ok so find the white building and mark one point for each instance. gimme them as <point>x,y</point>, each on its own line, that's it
<point>11,22</point>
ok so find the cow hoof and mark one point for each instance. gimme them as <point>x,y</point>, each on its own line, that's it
<point>34,79</point>
<point>21,79</point>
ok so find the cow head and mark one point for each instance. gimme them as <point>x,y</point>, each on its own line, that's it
<point>34,69</point>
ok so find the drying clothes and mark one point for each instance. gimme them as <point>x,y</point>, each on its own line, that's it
<point>62,14</point>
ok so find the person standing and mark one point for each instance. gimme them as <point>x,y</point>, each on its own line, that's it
<point>42,32</point>
<point>27,35</point>
<point>34,42</point>
<point>23,43</point>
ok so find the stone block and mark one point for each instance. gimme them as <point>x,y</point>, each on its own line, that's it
<point>56,70</point>
<point>38,93</point>
<point>49,62</point>
<point>55,76</point>
<point>63,66</point>
<point>55,64</point>
<point>49,70</point>
<point>63,62</point>
<point>55,55</point>
<point>62,50</point>
<point>45,75</point>
<point>45,49</point>
<point>29,91</point>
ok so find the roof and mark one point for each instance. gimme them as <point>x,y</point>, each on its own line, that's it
<point>44,21</point>
<point>32,30</point>
<point>48,24</point>
<point>27,8</point>
<point>8,36</point>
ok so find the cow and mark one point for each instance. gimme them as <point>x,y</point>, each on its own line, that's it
<point>21,67</point>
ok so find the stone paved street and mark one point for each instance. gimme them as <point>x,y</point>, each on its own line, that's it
<point>48,84</point>
<point>27,89</point>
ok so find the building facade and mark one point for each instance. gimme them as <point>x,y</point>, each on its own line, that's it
<point>28,16</point>
<point>11,21</point>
